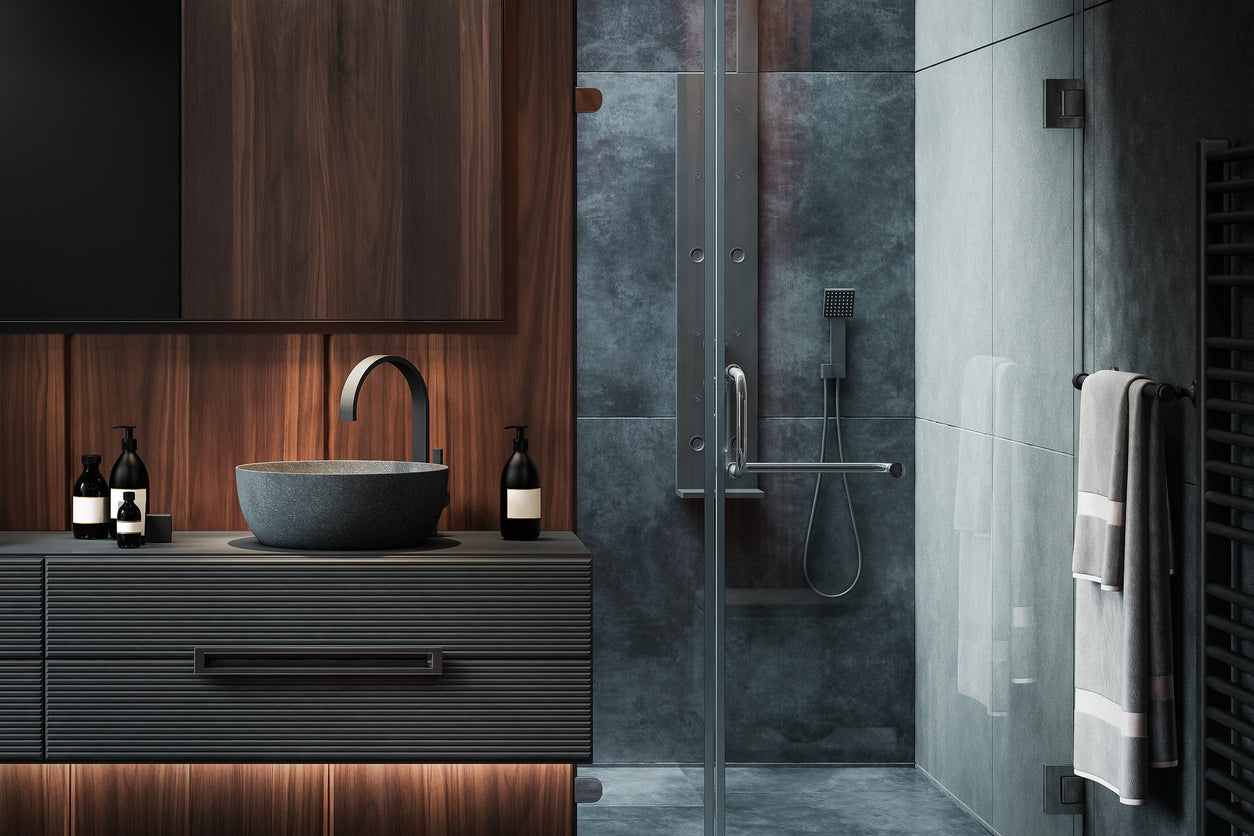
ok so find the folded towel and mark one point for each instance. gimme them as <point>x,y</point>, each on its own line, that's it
<point>1102,478</point>
<point>1124,690</point>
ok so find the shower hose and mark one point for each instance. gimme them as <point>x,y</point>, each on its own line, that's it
<point>840,450</point>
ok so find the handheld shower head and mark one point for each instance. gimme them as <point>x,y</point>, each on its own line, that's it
<point>838,302</point>
<point>837,307</point>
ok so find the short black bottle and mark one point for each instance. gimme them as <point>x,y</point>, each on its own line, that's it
<point>130,523</point>
<point>520,492</point>
<point>128,474</point>
<point>90,512</point>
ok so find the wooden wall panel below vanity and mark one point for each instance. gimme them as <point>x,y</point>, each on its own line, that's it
<point>34,799</point>
<point>258,800</point>
<point>117,799</point>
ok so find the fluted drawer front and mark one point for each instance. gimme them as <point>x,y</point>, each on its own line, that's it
<point>514,635</point>
<point>21,606</point>
<point>21,709</point>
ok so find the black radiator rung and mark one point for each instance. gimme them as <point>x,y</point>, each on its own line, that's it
<point>1227,500</point>
<point>1232,375</point>
<point>1230,815</point>
<point>1223,780</point>
<point>1227,186</point>
<point>1231,691</point>
<point>1225,437</point>
<point>1230,595</point>
<point>1230,407</point>
<point>1240,471</point>
<point>1231,753</point>
<point>1230,721</point>
<point>1227,280</point>
<point>1232,660</point>
<point>1242,217</point>
<point>1230,343</point>
<point>1230,249</point>
<point>1228,155</point>
<point>1231,532</point>
<point>1233,628</point>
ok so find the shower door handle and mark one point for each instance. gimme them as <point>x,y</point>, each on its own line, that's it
<point>738,466</point>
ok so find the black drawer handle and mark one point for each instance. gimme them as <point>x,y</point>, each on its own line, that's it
<point>319,661</point>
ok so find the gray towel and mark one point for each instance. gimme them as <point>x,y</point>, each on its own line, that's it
<point>1102,478</point>
<point>1124,691</point>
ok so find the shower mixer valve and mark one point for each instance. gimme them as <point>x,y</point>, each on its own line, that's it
<point>837,307</point>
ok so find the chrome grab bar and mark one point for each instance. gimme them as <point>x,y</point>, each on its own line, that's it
<point>738,466</point>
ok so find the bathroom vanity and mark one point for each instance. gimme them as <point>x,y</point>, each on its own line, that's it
<point>217,650</point>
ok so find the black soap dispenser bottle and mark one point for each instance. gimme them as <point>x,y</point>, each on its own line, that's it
<point>90,502</point>
<point>520,492</point>
<point>129,474</point>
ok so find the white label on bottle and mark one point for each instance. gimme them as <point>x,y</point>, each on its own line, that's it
<point>89,510</point>
<point>141,499</point>
<point>522,504</point>
<point>130,528</point>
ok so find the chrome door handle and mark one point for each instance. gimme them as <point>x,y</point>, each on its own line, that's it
<point>738,466</point>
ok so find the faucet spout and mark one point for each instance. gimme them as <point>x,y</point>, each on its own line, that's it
<point>417,390</point>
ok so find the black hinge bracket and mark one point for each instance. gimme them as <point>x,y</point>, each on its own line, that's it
<point>1064,103</point>
<point>1064,790</point>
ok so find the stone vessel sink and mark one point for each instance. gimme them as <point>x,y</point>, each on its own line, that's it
<point>342,504</point>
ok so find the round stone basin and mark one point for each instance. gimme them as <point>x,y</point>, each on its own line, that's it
<point>342,505</point>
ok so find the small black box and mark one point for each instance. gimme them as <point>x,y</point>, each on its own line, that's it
<point>158,528</point>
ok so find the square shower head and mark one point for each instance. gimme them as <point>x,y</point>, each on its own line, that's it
<point>838,302</point>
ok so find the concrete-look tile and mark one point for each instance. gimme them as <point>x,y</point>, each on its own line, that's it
<point>837,35</point>
<point>648,569</point>
<point>595,820</point>
<point>1143,178</point>
<point>625,282</point>
<point>947,28</point>
<point>1011,17</point>
<point>1033,272</point>
<point>643,786</point>
<point>1030,630</point>
<point>660,36</point>
<point>835,211</point>
<point>954,363</point>
<point>954,698</point>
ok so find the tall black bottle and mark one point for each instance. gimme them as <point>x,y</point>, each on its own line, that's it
<point>129,474</point>
<point>520,492</point>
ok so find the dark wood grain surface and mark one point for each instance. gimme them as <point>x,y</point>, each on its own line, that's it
<point>438,800</point>
<point>32,445</point>
<point>141,380</point>
<point>129,799</point>
<point>258,800</point>
<point>34,799</point>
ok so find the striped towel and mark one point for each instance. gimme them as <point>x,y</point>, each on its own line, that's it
<point>1124,689</point>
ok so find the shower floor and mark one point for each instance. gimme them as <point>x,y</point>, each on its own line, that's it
<point>775,800</point>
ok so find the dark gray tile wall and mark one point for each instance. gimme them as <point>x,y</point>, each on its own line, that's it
<point>995,348</point>
<point>1141,262</point>
<point>828,682</point>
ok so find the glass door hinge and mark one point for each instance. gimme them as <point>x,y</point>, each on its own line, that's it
<point>1064,103</point>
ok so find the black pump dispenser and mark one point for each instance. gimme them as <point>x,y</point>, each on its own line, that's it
<point>520,491</point>
<point>129,474</point>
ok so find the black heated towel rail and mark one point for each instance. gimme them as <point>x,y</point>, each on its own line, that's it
<point>1225,745</point>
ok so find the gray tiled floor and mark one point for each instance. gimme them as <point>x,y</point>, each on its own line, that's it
<point>775,800</point>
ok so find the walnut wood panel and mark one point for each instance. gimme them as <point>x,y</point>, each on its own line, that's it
<point>365,161</point>
<point>141,380</point>
<point>128,799</point>
<point>253,398</point>
<point>784,41</point>
<point>34,799</point>
<point>32,446</point>
<point>258,799</point>
<point>443,800</point>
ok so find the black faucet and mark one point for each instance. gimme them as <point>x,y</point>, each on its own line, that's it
<point>417,389</point>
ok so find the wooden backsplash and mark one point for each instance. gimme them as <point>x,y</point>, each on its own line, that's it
<point>204,403</point>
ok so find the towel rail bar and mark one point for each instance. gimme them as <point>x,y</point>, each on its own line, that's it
<point>1232,628</point>
<point>1230,343</point>
<point>1231,596</point>
<point>1230,249</point>
<point>1230,375</point>
<point>1230,815</point>
<point>1230,186</point>
<point>1239,439</point>
<point>1229,407</point>
<point>1241,217</point>
<point>1161,391</point>
<point>1241,790</point>
<point>1240,471</point>
<point>1227,500</point>
<point>1231,532</point>
<point>1232,754</point>
<point>1229,155</point>
<point>1241,695</point>
<point>1236,660</point>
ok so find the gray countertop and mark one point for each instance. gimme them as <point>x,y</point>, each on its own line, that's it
<point>243,544</point>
